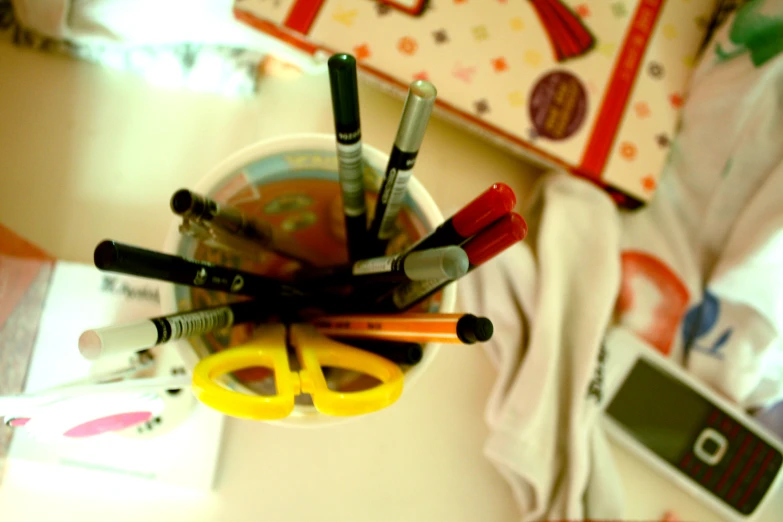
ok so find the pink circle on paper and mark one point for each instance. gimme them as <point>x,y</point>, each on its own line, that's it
<point>110,423</point>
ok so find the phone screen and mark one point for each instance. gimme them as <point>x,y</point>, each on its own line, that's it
<point>663,413</point>
<point>697,437</point>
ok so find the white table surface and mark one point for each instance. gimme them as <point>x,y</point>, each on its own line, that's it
<point>88,154</point>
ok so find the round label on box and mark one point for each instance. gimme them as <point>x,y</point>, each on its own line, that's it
<point>558,105</point>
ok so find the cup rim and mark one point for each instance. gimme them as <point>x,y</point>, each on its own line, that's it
<point>308,141</point>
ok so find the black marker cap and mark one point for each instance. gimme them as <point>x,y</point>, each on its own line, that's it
<point>413,354</point>
<point>181,201</point>
<point>187,203</point>
<point>106,254</point>
<point>472,329</point>
<point>345,92</point>
<point>400,353</point>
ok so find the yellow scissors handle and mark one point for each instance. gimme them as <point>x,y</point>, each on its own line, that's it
<point>268,350</point>
<point>314,351</point>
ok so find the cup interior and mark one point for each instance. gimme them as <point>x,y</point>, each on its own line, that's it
<point>292,183</point>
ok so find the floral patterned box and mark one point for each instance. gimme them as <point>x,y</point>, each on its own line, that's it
<point>591,87</point>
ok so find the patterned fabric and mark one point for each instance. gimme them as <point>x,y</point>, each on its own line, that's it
<point>220,69</point>
<point>757,29</point>
<point>723,10</point>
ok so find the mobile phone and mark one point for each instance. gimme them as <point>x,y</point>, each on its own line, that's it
<point>686,431</point>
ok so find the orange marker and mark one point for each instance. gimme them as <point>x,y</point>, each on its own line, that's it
<point>409,328</point>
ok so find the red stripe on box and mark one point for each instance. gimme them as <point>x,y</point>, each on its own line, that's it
<point>302,15</point>
<point>619,90</point>
<point>273,30</point>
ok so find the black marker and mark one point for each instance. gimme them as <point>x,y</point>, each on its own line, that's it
<point>133,337</point>
<point>449,262</point>
<point>125,259</point>
<point>413,123</point>
<point>345,105</point>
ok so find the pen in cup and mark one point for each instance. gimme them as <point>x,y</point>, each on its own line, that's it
<point>409,328</point>
<point>345,106</point>
<point>410,134</point>
<point>131,337</point>
<point>228,227</point>
<point>491,205</point>
<point>397,352</point>
<point>215,238</point>
<point>449,262</point>
<point>485,245</point>
<point>126,259</point>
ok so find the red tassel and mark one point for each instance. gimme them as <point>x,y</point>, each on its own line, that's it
<point>576,27</point>
<point>567,34</point>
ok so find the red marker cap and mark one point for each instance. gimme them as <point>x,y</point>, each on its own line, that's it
<point>491,205</point>
<point>495,239</point>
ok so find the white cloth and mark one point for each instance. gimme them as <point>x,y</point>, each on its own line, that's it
<point>545,439</point>
<point>138,27</point>
<point>698,274</point>
<point>138,22</point>
<point>193,45</point>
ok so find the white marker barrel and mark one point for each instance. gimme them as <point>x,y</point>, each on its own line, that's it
<point>118,340</point>
<point>129,338</point>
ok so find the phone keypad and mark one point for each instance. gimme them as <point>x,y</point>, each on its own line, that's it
<point>732,462</point>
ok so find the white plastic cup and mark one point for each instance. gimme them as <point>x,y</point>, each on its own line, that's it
<point>289,159</point>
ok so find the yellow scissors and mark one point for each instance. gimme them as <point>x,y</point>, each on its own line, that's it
<point>269,349</point>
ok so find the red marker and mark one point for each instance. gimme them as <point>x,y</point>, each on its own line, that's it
<point>495,239</point>
<point>487,244</point>
<point>492,204</point>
